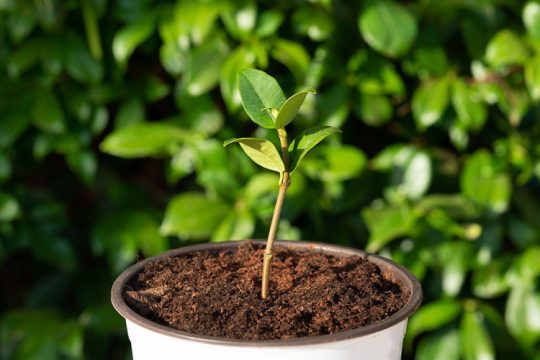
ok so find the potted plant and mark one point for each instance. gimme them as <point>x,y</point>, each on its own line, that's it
<point>310,300</point>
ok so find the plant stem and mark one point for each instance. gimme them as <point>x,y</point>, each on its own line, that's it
<point>283,185</point>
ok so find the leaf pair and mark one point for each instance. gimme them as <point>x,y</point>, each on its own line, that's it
<point>264,153</point>
<point>265,102</point>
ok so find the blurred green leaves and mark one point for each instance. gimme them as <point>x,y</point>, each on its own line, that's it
<point>179,219</point>
<point>388,27</point>
<point>144,139</point>
<point>437,166</point>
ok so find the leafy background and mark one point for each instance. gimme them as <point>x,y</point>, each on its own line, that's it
<point>112,119</point>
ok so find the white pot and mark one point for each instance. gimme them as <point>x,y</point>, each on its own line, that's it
<point>380,341</point>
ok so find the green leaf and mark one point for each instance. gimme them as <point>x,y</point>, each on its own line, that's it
<point>490,281</point>
<point>235,226</point>
<point>80,64</point>
<point>532,76</point>
<point>12,126</point>
<point>84,164</point>
<point>374,110</point>
<point>531,18</point>
<point>525,267</point>
<point>522,313</point>
<point>410,171</point>
<point>240,19</point>
<point>305,141</point>
<point>203,68</point>
<point>268,23</point>
<point>58,252</point>
<point>484,181</point>
<point>455,258</point>
<point>429,102</point>
<point>388,27</point>
<point>386,224</point>
<point>9,207</point>
<point>467,102</point>
<point>432,316</point>
<point>475,341</point>
<point>260,93</point>
<point>193,216</point>
<point>291,107</point>
<point>47,113</point>
<point>120,234</point>
<point>201,113</point>
<point>144,139</point>
<point>5,167</point>
<point>129,113</point>
<point>263,152</point>
<point>24,57</point>
<point>293,55</point>
<point>313,22</point>
<point>506,48</point>
<point>333,164</point>
<point>238,60</point>
<point>129,37</point>
<point>441,345</point>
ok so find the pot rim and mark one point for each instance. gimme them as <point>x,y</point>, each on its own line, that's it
<point>398,272</point>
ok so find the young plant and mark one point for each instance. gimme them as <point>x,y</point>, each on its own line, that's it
<point>267,106</point>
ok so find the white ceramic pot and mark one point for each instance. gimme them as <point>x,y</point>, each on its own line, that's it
<point>379,341</point>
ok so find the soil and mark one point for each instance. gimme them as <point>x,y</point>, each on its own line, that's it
<point>218,293</point>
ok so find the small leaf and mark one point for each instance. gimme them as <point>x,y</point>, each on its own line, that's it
<point>290,108</point>
<point>203,68</point>
<point>129,37</point>
<point>374,110</point>
<point>522,313</point>
<point>526,266</point>
<point>304,142</point>
<point>235,226</point>
<point>387,224</point>
<point>455,258</point>
<point>9,207</point>
<point>532,77</point>
<point>490,281</point>
<point>429,102</point>
<point>193,216</point>
<point>260,92</point>
<point>5,167</point>
<point>144,139</point>
<point>506,48</point>
<point>240,59</point>
<point>12,126</point>
<point>84,164</point>
<point>268,23</point>
<point>293,55</point>
<point>432,316</point>
<point>261,151</point>
<point>442,345</point>
<point>47,113</point>
<point>467,102</point>
<point>475,341</point>
<point>388,27</point>
<point>485,182</point>
<point>531,18</point>
<point>335,163</point>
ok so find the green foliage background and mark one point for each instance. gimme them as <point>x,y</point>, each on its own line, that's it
<point>437,167</point>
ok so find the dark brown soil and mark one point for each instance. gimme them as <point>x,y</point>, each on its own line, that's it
<point>218,294</point>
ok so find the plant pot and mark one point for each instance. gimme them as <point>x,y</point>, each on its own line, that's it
<point>379,341</point>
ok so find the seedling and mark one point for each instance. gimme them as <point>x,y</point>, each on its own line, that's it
<point>266,105</point>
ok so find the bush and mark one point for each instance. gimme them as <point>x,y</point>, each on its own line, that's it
<point>437,167</point>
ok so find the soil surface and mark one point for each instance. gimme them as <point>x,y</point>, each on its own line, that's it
<point>218,294</point>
